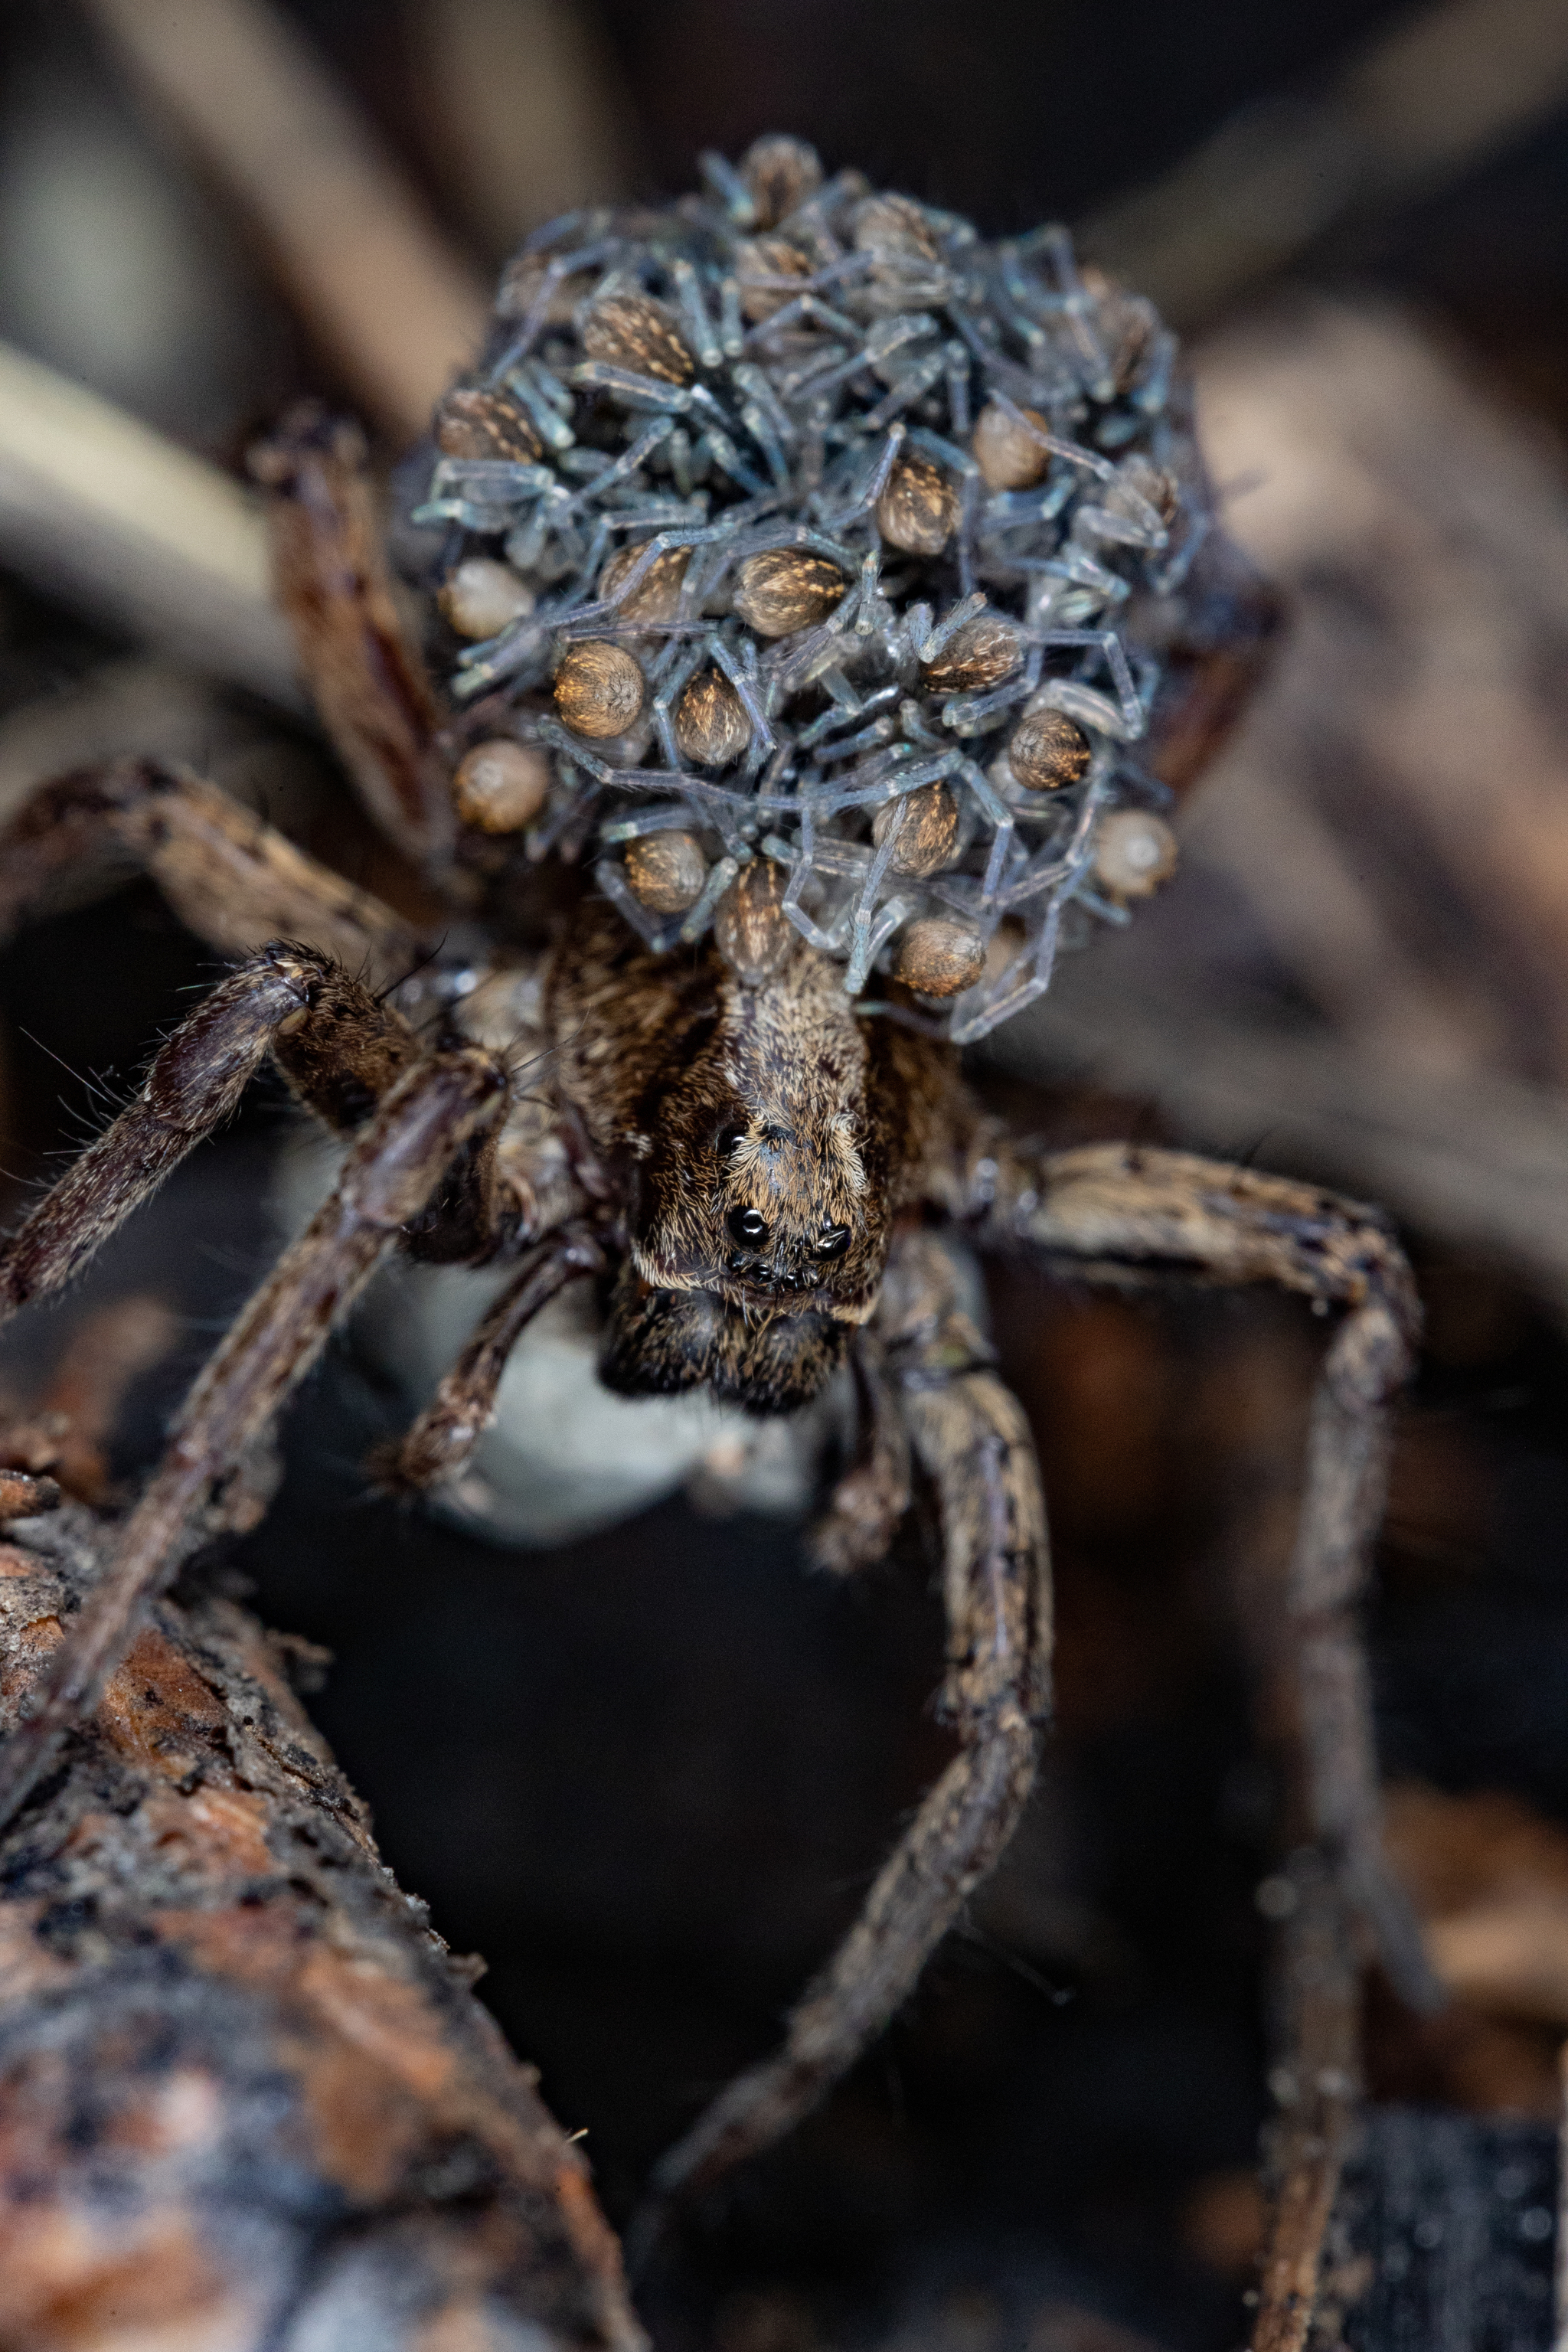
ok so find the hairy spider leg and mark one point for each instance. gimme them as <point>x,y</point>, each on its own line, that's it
<point>230,878</point>
<point>971,1437</point>
<point>1316,1991</point>
<point>1317,2082</point>
<point>430,1112</point>
<point>871,1497</point>
<point>1114,1209</point>
<point>339,1045</point>
<point>439,1444</point>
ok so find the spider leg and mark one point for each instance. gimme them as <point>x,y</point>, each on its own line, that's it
<point>340,1047</point>
<point>1114,1210</point>
<point>365,675</point>
<point>972,1438</point>
<point>229,877</point>
<point>866,1505</point>
<point>1316,2083</point>
<point>439,1444</point>
<point>427,1116</point>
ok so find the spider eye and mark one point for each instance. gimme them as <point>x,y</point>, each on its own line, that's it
<point>748,1226</point>
<point>833,1241</point>
<point>728,1140</point>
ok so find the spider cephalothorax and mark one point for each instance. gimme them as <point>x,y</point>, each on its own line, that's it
<point>823,567</point>
<point>760,1136</point>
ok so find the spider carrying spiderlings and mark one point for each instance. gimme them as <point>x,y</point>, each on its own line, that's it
<point>838,600</point>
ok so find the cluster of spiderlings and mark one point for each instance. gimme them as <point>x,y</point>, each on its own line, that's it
<point>805,546</point>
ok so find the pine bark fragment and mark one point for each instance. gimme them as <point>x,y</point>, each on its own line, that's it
<point>247,2096</point>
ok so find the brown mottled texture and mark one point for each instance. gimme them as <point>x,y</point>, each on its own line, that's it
<point>704,1097</point>
<point>737,1147</point>
<point>475,421</point>
<point>940,958</point>
<point>816,463</point>
<point>764,265</point>
<point>785,588</point>
<point>657,596</point>
<point>22,1494</point>
<point>632,331</point>
<point>246,2098</point>
<point>1010,458</point>
<point>339,1046</point>
<point>667,870</point>
<point>1048,749</point>
<point>979,654</point>
<point>926,822</point>
<point>599,688</point>
<point>750,930</point>
<point>367,681</point>
<point>711,728</point>
<point>780,173</point>
<point>917,507</point>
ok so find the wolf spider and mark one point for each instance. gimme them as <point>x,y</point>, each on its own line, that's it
<point>751,1171</point>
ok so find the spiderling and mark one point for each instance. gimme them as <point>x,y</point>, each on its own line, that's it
<point>795,526</point>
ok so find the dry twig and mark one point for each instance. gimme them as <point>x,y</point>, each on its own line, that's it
<point>101,509</point>
<point>244,2093</point>
<point>367,269</point>
<point>1433,97</point>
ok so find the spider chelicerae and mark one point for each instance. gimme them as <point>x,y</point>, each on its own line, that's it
<point>829,604</point>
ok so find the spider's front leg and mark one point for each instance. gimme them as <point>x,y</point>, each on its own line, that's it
<point>341,1047</point>
<point>427,1117</point>
<point>971,1437</point>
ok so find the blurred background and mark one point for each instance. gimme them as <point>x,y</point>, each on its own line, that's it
<point>649,1776</point>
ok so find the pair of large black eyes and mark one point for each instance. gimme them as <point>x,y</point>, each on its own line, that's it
<point>748,1227</point>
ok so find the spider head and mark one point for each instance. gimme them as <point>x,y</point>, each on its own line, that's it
<point>790,1217</point>
<point>759,1200</point>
